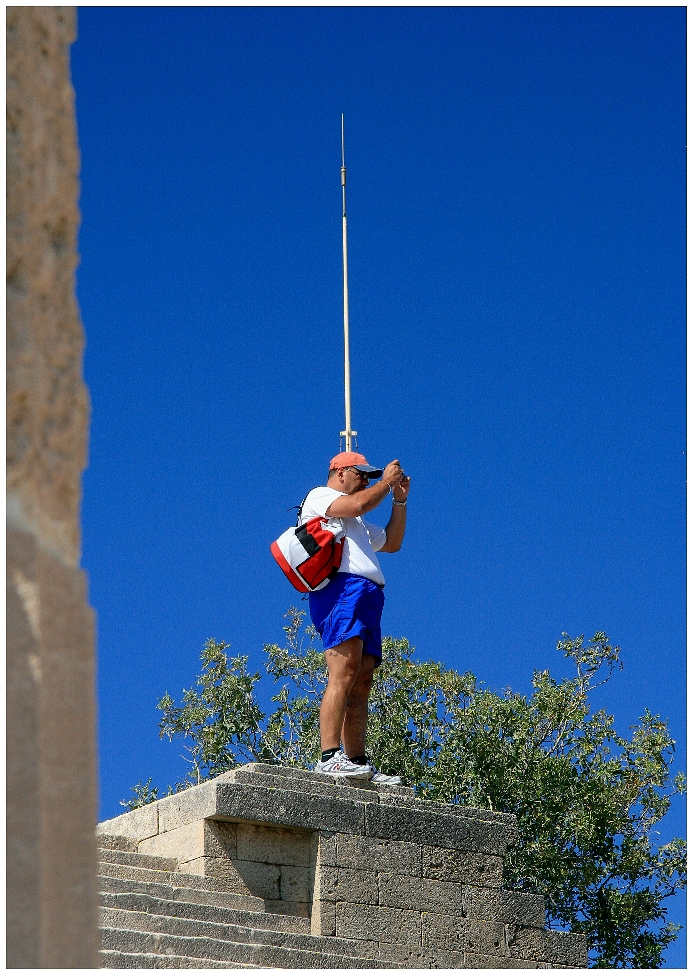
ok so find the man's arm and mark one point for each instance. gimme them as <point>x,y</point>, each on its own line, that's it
<point>398,519</point>
<point>360,503</point>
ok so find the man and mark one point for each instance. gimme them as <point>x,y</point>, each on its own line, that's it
<point>346,613</point>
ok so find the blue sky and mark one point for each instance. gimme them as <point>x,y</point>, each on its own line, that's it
<point>516,196</point>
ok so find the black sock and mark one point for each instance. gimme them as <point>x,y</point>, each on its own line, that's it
<point>359,760</point>
<point>328,753</point>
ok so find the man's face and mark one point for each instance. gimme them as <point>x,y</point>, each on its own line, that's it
<point>352,480</point>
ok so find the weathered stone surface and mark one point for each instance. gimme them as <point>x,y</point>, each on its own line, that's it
<point>325,848</point>
<point>201,838</point>
<point>384,924</point>
<point>306,783</point>
<point>467,868</point>
<point>187,807</point>
<point>147,904</point>
<point>354,886</point>
<point>139,824</point>
<point>291,809</point>
<point>472,960</point>
<point>436,829</point>
<point>244,877</point>
<point>438,896</point>
<point>511,907</point>
<point>365,897</point>
<point>47,402</point>
<point>51,759</point>
<point>273,845</point>
<point>295,883</point>
<point>462,934</point>
<point>554,947</point>
<point>137,859</point>
<point>323,918</point>
<point>370,853</point>
<point>144,960</point>
<point>116,843</point>
<point>405,799</point>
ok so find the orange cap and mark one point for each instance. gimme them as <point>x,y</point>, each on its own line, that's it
<point>352,459</point>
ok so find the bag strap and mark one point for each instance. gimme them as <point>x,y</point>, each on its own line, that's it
<point>300,509</point>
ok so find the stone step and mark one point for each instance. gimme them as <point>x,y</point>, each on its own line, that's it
<point>108,842</point>
<point>133,859</point>
<point>192,881</point>
<point>175,878</point>
<point>125,959</point>
<point>169,890</point>
<point>146,904</point>
<point>131,941</point>
<point>184,927</point>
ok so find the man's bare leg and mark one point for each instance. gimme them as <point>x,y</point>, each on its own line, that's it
<point>356,717</point>
<point>343,667</point>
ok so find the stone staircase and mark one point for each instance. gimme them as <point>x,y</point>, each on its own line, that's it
<point>265,867</point>
<point>153,916</point>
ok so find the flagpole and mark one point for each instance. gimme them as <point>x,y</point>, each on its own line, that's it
<point>347,433</point>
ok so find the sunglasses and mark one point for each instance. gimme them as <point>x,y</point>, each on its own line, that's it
<point>361,474</point>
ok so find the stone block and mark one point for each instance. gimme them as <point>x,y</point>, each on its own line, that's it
<point>199,839</point>
<point>117,843</point>
<point>241,876</point>
<point>437,829</point>
<point>137,825</point>
<point>322,918</point>
<point>472,960</point>
<point>325,848</point>
<point>354,886</point>
<point>438,896</point>
<point>508,906</point>
<point>403,799</point>
<point>554,947</point>
<point>371,853</point>
<point>296,883</point>
<point>307,784</point>
<point>289,809</point>
<point>273,845</point>
<point>187,807</point>
<point>466,868</point>
<point>383,924</point>
<point>462,934</point>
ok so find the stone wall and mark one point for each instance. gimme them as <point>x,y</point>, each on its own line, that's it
<point>51,777</point>
<point>377,870</point>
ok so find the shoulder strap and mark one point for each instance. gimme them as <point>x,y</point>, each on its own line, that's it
<point>300,509</point>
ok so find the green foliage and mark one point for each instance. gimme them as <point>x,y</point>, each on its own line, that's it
<point>587,799</point>
<point>144,793</point>
<point>220,716</point>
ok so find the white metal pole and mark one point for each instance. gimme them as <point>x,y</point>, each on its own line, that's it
<point>347,433</point>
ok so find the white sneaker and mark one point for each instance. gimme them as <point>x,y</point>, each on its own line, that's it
<point>379,778</point>
<point>340,766</point>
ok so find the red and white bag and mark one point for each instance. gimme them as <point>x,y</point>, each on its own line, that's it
<point>309,555</point>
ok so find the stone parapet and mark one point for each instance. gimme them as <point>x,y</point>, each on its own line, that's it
<point>393,876</point>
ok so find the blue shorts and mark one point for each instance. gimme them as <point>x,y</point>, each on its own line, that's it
<point>349,606</point>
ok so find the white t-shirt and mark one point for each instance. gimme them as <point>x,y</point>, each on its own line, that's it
<point>362,540</point>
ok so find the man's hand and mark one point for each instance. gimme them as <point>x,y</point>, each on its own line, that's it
<point>393,473</point>
<point>401,491</point>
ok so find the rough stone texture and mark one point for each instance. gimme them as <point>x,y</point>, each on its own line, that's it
<point>468,868</point>
<point>47,404</point>
<point>366,853</point>
<point>374,875</point>
<point>51,768</point>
